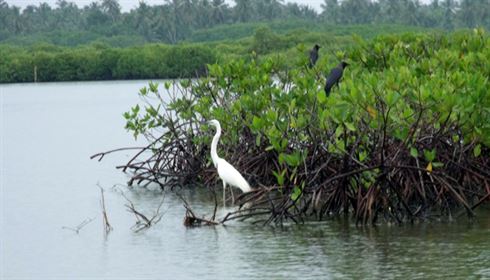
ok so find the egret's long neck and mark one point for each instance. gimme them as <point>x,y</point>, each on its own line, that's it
<point>214,144</point>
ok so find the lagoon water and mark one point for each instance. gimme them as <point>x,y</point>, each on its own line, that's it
<point>47,133</point>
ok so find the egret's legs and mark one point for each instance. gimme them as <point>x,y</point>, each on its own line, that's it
<point>232,196</point>
<point>224,193</point>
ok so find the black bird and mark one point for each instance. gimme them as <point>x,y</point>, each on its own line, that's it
<point>335,76</point>
<point>314,55</point>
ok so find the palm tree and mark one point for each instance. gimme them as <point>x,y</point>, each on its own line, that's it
<point>242,10</point>
<point>111,8</point>
<point>142,20</point>
<point>204,16</point>
<point>268,9</point>
<point>307,12</point>
<point>330,11</point>
<point>67,15</point>
<point>411,12</point>
<point>14,21</point>
<point>390,10</point>
<point>449,7</point>
<point>355,11</point>
<point>469,12</point>
<point>218,11</point>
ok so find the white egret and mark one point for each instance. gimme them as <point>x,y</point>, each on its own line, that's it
<point>228,174</point>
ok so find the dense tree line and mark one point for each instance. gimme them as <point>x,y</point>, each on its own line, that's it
<point>44,62</point>
<point>447,14</point>
<point>98,62</point>
<point>177,20</point>
<point>171,22</point>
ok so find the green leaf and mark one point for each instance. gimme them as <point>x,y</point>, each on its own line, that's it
<point>153,87</point>
<point>281,158</point>
<point>322,98</point>
<point>293,159</point>
<point>185,83</point>
<point>339,131</point>
<point>362,156</point>
<point>279,177</point>
<point>430,155</point>
<point>437,164</point>
<point>296,193</point>
<point>151,111</point>
<point>414,152</point>
<point>392,97</point>
<point>257,123</point>
<point>477,150</point>
<point>341,145</point>
<point>135,109</point>
<point>350,126</point>
<point>284,143</point>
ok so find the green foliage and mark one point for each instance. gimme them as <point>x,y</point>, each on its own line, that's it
<point>265,40</point>
<point>225,32</point>
<point>403,89</point>
<point>99,62</point>
<point>203,20</point>
<point>188,60</point>
<point>447,75</point>
<point>299,31</point>
<point>407,129</point>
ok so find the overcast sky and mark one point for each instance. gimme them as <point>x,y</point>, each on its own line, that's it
<point>129,4</point>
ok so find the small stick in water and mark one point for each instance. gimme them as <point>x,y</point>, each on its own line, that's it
<point>105,220</point>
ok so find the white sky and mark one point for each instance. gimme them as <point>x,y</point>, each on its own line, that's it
<point>129,4</point>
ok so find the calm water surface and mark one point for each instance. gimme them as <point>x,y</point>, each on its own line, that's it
<point>47,133</point>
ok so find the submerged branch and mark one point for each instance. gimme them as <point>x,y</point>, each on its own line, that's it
<point>105,219</point>
<point>142,221</point>
<point>79,226</point>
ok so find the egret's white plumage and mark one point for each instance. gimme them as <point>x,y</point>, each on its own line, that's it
<point>228,174</point>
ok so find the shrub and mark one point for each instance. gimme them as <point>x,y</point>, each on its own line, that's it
<point>406,133</point>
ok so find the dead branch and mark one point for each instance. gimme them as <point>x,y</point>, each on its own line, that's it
<point>80,226</point>
<point>142,221</point>
<point>105,219</point>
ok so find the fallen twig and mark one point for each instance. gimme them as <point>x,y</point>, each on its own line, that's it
<point>105,219</point>
<point>80,226</point>
<point>142,221</point>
